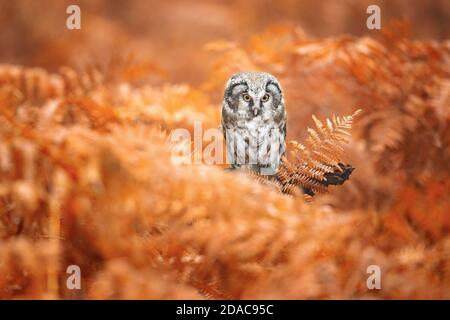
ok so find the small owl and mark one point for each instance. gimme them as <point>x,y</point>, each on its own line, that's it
<point>254,122</point>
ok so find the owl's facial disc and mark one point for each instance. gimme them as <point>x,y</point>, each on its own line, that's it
<point>273,89</point>
<point>254,101</point>
<point>251,102</point>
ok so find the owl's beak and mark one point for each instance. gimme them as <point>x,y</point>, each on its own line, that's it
<point>256,107</point>
<point>257,104</point>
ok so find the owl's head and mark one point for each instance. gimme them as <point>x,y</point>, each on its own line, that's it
<point>251,94</point>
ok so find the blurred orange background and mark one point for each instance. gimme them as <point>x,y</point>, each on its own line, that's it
<point>86,176</point>
<point>172,33</point>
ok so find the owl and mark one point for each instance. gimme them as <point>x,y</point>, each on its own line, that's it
<point>254,122</point>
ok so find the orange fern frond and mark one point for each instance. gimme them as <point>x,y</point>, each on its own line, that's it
<point>322,155</point>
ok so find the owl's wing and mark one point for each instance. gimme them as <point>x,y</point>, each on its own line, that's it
<point>283,132</point>
<point>222,127</point>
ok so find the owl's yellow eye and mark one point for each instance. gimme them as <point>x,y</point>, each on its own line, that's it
<point>246,97</point>
<point>265,98</point>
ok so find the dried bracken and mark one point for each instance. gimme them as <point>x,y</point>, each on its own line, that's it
<point>313,164</point>
<point>87,178</point>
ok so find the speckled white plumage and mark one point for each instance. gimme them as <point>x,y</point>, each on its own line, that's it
<point>254,120</point>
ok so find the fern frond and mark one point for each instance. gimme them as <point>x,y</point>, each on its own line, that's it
<point>322,155</point>
<point>36,84</point>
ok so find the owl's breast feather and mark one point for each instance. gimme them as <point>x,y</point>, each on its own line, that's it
<point>257,130</point>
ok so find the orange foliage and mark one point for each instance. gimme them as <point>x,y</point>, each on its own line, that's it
<point>86,176</point>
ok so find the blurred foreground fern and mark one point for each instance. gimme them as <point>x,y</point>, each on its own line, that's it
<point>86,178</point>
